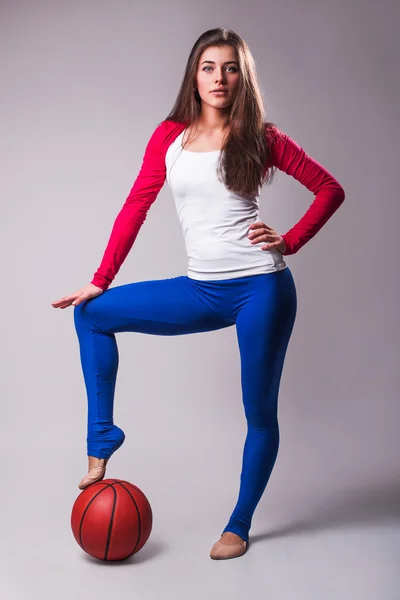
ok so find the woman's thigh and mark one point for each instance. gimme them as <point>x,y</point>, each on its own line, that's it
<point>159,307</point>
<point>264,326</point>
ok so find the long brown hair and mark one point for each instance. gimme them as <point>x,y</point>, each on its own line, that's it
<point>247,148</point>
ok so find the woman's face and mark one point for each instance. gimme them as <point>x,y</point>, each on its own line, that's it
<point>218,68</point>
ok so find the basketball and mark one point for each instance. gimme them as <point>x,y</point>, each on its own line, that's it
<point>111,519</point>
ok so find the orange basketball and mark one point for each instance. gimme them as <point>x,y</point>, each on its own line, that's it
<point>111,519</point>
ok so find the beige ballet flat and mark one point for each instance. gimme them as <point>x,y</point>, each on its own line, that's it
<point>225,548</point>
<point>95,474</point>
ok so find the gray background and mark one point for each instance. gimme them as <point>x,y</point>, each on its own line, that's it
<point>84,84</point>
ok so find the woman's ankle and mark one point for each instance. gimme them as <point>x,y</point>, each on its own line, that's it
<point>103,443</point>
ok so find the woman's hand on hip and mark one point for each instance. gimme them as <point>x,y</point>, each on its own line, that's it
<point>88,291</point>
<point>260,232</point>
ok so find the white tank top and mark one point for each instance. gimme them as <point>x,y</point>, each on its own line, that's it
<point>214,220</point>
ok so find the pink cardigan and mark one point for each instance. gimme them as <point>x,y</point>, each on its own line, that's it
<point>287,156</point>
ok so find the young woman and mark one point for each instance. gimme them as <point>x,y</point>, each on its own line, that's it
<point>215,150</point>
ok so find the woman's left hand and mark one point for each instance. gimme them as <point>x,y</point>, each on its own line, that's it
<point>260,232</point>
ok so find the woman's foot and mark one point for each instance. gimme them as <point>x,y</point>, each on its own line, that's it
<point>105,439</point>
<point>96,472</point>
<point>229,546</point>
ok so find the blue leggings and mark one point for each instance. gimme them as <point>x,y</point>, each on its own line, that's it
<point>263,308</point>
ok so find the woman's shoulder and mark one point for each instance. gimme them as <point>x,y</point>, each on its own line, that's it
<point>273,132</point>
<point>168,125</point>
<point>279,141</point>
<point>165,132</point>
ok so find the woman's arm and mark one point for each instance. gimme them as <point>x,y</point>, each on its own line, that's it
<point>133,213</point>
<point>289,157</point>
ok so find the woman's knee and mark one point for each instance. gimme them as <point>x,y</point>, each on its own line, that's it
<point>264,418</point>
<point>86,311</point>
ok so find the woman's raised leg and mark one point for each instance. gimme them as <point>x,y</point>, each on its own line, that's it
<point>158,307</point>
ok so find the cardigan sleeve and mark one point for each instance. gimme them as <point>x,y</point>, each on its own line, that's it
<point>132,215</point>
<point>289,157</point>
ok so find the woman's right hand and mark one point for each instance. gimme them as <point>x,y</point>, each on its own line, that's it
<point>88,291</point>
